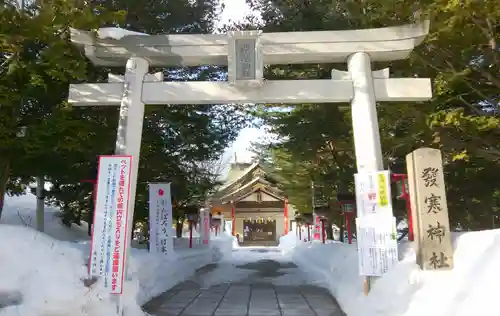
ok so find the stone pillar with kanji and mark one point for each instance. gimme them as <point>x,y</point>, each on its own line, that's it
<point>429,209</point>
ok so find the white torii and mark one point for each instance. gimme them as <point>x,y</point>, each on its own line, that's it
<point>246,53</point>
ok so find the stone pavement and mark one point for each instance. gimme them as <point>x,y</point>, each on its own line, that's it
<point>254,295</point>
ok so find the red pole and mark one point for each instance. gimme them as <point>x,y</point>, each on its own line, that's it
<point>348,225</point>
<point>405,195</point>
<point>323,230</point>
<point>411,236</point>
<point>190,234</point>
<point>233,220</point>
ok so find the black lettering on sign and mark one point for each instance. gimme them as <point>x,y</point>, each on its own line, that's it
<point>436,232</point>
<point>438,262</point>
<point>429,176</point>
<point>433,203</point>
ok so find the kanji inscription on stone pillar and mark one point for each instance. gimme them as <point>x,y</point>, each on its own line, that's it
<point>429,206</point>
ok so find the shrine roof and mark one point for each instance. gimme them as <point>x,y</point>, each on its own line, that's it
<point>243,194</point>
<point>243,180</point>
<point>251,187</point>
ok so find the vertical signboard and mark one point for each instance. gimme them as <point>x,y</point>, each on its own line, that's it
<point>160,219</point>
<point>376,226</point>
<point>318,232</point>
<point>110,221</point>
<point>205,226</point>
<point>429,204</point>
<point>377,244</point>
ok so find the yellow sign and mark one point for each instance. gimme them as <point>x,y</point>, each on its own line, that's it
<point>382,190</point>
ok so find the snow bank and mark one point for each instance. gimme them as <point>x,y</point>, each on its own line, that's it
<point>43,276</point>
<point>473,284</point>
<point>288,241</point>
<point>20,211</point>
<point>223,245</point>
<point>47,276</point>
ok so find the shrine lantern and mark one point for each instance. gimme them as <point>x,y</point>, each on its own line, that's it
<point>192,215</point>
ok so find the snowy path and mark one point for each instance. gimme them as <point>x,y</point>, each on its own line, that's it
<point>255,282</point>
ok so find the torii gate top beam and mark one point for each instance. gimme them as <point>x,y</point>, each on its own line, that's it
<point>382,44</point>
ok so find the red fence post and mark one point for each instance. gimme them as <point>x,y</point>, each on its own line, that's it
<point>323,235</point>
<point>349,229</point>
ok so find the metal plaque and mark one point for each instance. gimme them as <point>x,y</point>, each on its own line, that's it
<point>245,59</point>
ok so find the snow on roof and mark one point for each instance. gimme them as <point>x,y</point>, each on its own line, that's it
<point>116,33</point>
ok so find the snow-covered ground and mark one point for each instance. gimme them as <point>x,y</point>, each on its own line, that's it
<point>42,273</point>
<point>472,287</point>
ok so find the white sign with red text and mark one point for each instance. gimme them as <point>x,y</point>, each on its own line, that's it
<point>110,221</point>
<point>160,219</point>
<point>205,226</point>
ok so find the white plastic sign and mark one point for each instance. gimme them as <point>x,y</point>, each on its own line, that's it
<point>377,244</point>
<point>109,233</point>
<point>373,193</point>
<point>160,219</point>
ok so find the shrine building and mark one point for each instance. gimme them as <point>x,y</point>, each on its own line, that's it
<point>256,208</point>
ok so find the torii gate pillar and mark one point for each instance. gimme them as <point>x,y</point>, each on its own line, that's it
<point>367,144</point>
<point>129,133</point>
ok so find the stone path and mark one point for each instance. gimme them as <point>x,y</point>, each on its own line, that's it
<point>259,293</point>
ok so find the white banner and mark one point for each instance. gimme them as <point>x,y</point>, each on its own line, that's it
<point>110,221</point>
<point>205,226</point>
<point>377,244</point>
<point>160,219</point>
<point>373,193</point>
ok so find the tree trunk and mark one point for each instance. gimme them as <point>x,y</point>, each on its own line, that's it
<point>4,177</point>
<point>40,204</point>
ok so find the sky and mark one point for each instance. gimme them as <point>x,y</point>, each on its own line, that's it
<point>236,10</point>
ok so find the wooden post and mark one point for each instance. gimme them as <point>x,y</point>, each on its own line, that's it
<point>348,227</point>
<point>233,219</point>
<point>323,231</point>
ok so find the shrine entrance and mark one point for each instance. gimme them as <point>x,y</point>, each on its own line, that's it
<point>259,232</point>
<point>245,53</point>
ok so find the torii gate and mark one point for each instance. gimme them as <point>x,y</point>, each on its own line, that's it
<point>246,53</point>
